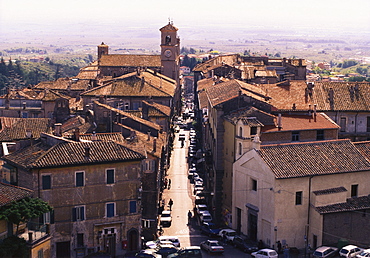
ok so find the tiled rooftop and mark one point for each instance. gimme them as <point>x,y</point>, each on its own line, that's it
<point>352,204</point>
<point>133,117</point>
<point>15,128</point>
<point>10,193</point>
<point>64,84</point>
<point>147,84</point>
<point>130,60</point>
<point>313,158</point>
<point>71,154</point>
<point>330,191</point>
<point>263,117</point>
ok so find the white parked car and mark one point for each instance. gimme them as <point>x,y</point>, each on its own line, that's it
<point>364,254</point>
<point>325,252</point>
<point>227,234</point>
<point>205,217</point>
<point>265,253</point>
<point>212,246</point>
<point>350,251</point>
<point>166,218</point>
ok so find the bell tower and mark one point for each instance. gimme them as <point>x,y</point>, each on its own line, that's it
<point>170,51</point>
<point>102,50</point>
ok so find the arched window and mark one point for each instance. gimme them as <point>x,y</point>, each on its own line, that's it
<point>240,131</point>
<point>168,39</point>
<point>240,149</point>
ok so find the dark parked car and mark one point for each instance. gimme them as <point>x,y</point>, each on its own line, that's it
<point>209,229</point>
<point>245,245</point>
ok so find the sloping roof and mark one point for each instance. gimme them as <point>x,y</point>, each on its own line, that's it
<point>130,60</point>
<point>313,158</point>
<point>345,96</point>
<point>11,193</point>
<point>330,191</point>
<point>263,117</point>
<point>145,84</point>
<point>364,148</point>
<point>116,137</point>
<point>224,91</point>
<point>214,62</point>
<point>352,204</point>
<point>156,109</point>
<point>15,128</point>
<point>64,84</point>
<point>89,72</point>
<point>302,123</point>
<point>169,26</point>
<point>71,154</point>
<point>133,117</point>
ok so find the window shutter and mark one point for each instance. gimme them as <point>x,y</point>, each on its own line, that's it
<point>74,215</point>
<point>52,217</point>
<point>82,211</point>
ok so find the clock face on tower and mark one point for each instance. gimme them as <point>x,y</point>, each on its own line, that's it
<point>167,53</point>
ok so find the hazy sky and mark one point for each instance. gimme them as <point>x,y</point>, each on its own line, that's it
<point>320,13</point>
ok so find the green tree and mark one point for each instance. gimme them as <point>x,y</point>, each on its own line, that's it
<point>23,210</point>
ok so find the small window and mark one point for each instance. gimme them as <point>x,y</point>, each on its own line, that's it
<point>46,182</point>
<point>254,185</point>
<point>240,131</point>
<point>110,210</point>
<point>110,176</point>
<point>127,106</point>
<point>78,213</point>
<point>295,136</point>
<point>240,149</point>
<point>132,206</point>
<point>320,135</point>
<point>343,124</point>
<point>253,130</point>
<point>368,124</point>
<point>354,190</point>
<point>80,179</point>
<point>40,253</point>
<point>80,239</point>
<point>298,198</point>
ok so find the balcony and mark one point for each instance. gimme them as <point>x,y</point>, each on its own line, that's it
<point>35,233</point>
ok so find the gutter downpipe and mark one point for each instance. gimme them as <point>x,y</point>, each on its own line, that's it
<point>308,215</point>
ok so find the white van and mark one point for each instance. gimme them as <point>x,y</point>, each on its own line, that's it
<point>350,251</point>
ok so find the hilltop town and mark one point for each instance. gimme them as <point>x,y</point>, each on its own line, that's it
<point>273,152</point>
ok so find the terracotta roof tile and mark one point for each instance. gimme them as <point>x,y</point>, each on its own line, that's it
<point>11,193</point>
<point>64,84</point>
<point>147,84</point>
<point>130,60</point>
<point>302,122</point>
<point>158,109</point>
<point>72,154</point>
<point>330,191</point>
<point>346,97</point>
<point>364,148</point>
<point>313,158</point>
<point>352,204</point>
<point>15,128</point>
<point>262,117</point>
<point>133,117</point>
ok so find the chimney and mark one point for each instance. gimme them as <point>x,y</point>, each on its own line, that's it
<point>279,122</point>
<point>256,143</point>
<point>76,135</point>
<point>58,130</point>
<point>87,152</point>
<point>314,112</point>
<point>93,136</point>
<point>154,144</point>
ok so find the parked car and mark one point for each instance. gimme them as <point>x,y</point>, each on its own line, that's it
<point>245,245</point>
<point>200,200</point>
<point>187,252</point>
<point>209,229</point>
<point>165,250</point>
<point>364,254</point>
<point>265,253</point>
<point>205,217</point>
<point>212,246</point>
<point>166,218</point>
<point>201,208</point>
<point>148,254</point>
<point>155,243</point>
<point>227,234</point>
<point>350,251</point>
<point>173,239</point>
<point>325,252</point>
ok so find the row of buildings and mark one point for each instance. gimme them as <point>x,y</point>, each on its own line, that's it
<point>287,159</point>
<point>94,147</point>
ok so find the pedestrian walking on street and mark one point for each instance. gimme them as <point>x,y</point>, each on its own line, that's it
<point>169,183</point>
<point>278,244</point>
<point>286,251</point>
<point>190,215</point>
<point>170,203</point>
